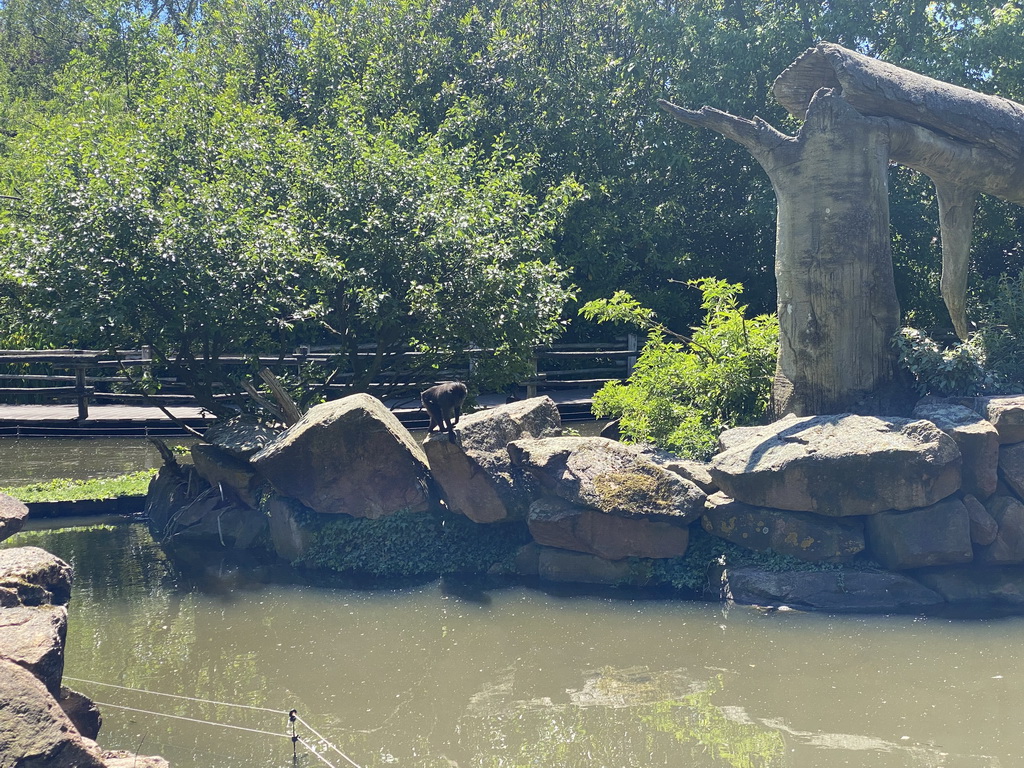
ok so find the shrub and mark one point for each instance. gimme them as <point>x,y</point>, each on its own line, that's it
<point>684,390</point>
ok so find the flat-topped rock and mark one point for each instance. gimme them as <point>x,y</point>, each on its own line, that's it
<point>838,465</point>
<point>608,476</point>
<point>493,429</point>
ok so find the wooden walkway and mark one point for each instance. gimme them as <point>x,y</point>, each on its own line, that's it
<point>145,421</point>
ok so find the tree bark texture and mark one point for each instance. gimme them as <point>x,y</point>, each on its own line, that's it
<point>833,264</point>
<point>966,142</point>
<point>837,301</point>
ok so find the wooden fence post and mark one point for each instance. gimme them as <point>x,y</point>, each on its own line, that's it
<point>81,393</point>
<point>632,345</point>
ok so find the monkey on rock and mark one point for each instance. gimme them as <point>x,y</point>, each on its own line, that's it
<point>443,401</point>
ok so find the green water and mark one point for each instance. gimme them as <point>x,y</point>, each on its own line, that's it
<point>440,675</point>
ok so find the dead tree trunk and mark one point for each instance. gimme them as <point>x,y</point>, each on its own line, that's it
<point>966,142</point>
<point>833,265</point>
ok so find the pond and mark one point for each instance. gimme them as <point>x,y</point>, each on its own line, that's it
<point>441,675</point>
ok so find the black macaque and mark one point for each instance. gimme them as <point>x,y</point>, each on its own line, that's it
<point>442,401</point>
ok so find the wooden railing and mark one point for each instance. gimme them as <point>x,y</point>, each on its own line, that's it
<point>84,376</point>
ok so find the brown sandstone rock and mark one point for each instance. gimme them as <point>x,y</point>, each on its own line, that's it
<point>608,476</point>
<point>481,486</point>
<point>35,576</point>
<point>939,534</point>
<point>12,516</point>
<point>580,568</point>
<point>34,731</point>
<point>476,476</point>
<point>847,590</point>
<point>977,440</point>
<point>803,535</point>
<point>838,465</point>
<point>558,523</point>
<point>350,456</point>
<point>33,638</point>
<point>1008,545</point>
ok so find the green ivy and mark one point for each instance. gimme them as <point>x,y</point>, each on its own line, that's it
<point>412,544</point>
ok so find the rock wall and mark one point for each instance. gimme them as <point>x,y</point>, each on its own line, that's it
<point>882,505</point>
<point>42,723</point>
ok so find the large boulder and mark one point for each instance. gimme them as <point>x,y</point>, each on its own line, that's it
<point>483,486</point>
<point>350,456</point>
<point>32,576</point>
<point>33,638</point>
<point>976,438</point>
<point>34,731</point>
<point>555,522</point>
<point>493,429</point>
<point>939,534</point>
<point>838,465</point>
<point>803,535</point>
<point>1006,413</point>
<point>12,516</point>
<point>1008,544</point>
<point>845,590</point>
<point>227,473</point>
<point>608,476</point>
<point>240,436</point>
<point>475,475</point>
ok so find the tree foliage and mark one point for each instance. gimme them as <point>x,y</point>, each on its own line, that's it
<point>355,171</point>
<point>681,395</point>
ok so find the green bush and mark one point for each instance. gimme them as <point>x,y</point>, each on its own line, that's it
<point>958,370</point>
<point>685,390</point>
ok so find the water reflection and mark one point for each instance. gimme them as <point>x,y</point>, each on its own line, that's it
<point>435,676</point>
<point>25,460</point>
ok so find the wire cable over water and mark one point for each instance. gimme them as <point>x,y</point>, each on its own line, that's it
<point>292,716</point>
